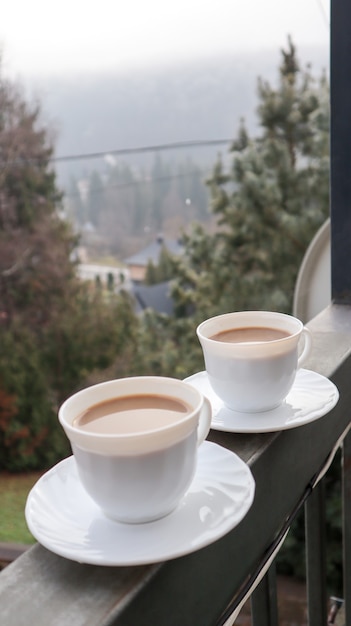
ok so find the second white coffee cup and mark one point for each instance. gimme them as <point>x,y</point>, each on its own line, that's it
<point>252,357</point>
<point>135,443</point>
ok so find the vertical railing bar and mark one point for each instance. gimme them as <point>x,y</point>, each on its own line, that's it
<point>316,556</point>
<point>264,608</point>
<point>346,499</point>
<point>340,150</point>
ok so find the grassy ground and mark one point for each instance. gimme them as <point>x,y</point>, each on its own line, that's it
<point>14,489</point>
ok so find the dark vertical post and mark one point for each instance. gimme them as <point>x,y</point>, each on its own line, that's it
<point>340,150</point>
<point>346,488</point>
<point>316,556</point>
<point>264,609</point>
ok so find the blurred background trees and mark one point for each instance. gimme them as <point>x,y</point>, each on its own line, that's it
<point>241,251</point>
<point>53,331</point>
<point>268,206</point>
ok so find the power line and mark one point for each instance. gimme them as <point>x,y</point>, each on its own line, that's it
<point>122,151</point>
<point>142,149</point>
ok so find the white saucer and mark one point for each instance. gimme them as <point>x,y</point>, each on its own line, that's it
<point>64,519</point>
<point>311,397</point>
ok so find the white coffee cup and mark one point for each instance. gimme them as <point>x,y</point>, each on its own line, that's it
<point>253,372</point>
<point>140,472</point>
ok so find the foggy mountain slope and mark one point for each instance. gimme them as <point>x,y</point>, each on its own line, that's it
<point>150,107</point>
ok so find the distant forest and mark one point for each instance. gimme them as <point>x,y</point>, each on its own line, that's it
<point>102,113</point>
<point>121,209</point>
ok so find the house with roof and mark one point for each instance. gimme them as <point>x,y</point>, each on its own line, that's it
<point>155,296</point>
<point>137,263</point>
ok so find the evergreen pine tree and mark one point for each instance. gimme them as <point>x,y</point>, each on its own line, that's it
<point>96,199</point>
<point>36,267</point>
<point>160,176</point>
<point>151,277</point>
<point>53,331</point>
<point>268,206</point>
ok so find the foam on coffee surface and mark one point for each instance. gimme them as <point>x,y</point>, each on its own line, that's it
<point>132,414</point>
<point>250,334</point>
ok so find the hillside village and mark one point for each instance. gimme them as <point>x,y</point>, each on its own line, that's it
<point>131,275</point>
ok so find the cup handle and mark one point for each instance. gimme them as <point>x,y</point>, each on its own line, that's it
<point>307,335</point>
<point>204,421</point>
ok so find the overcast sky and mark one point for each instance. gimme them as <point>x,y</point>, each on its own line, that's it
<point>48,37</point>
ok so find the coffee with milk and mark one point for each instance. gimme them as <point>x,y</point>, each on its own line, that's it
<point>132,414</point>
<point>249,334</point>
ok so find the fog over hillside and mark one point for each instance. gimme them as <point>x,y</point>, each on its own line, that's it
<point>201,101</point>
